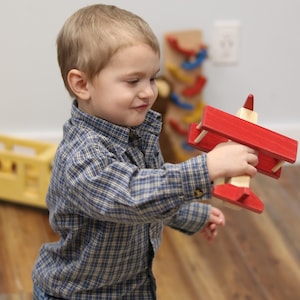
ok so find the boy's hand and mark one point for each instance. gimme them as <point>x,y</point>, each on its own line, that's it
<point>230,159</point>
<point>216,219</point>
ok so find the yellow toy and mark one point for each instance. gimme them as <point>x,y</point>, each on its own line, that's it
<point>25,169</point>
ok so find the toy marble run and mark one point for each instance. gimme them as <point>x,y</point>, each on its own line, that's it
<point>25,169</point>
<point>196,88</point>
<point>273,149</point>
<point>173,42</point>
<point>198,56</point>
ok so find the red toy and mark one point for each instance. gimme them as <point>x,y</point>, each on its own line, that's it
<point>175,45</point>
<point>195,88</point>
<point>273,149</point>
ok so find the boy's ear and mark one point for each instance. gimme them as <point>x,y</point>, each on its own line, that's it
<point>78,83</point>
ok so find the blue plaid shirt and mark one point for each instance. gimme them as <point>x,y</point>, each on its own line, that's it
<point>109,196</point>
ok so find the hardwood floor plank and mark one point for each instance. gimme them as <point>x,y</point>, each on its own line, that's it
<point>266,255</point>
<point>283,206</point>
<point>255,256</point>
<point>23,232</point>
<point>213,270</point>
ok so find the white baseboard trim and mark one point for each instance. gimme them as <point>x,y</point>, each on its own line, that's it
<point>289,130</point>
<point>47,136</point>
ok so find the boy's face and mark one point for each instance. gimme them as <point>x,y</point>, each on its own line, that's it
<point>125,89</point>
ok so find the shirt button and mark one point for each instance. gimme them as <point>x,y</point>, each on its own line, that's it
<point>198,193</point>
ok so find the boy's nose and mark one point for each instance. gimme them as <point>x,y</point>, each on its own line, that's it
<point>148,91</point>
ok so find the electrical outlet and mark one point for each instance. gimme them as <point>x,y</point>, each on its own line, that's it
<point>225,45</point>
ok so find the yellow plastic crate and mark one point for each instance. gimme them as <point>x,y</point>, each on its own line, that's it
<point>25,170</point>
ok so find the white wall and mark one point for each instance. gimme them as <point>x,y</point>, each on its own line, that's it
<point>35,103</point>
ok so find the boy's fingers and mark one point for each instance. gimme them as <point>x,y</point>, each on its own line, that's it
<point>218,219</point>
<point>212,226</point>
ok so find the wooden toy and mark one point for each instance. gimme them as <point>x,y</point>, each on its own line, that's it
<point>25,169</point>
<point>193,116</point>
<point>179,75</point>
<point>273,149</point>
<point>161,105</point>
<point>184,54</point>
<point>195,88</point>
<point>180,103</point>
<point>177,127</point>
<point>196,62</point>
<point>174,43</point>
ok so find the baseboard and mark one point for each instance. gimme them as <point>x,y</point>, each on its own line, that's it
<point>289,130</point>
<point>47,136</point>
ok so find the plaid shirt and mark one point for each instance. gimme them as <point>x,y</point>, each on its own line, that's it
<point>109,196</point>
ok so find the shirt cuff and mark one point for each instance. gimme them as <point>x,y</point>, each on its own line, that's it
<point>195,179</point>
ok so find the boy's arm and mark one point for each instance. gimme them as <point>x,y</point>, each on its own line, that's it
<point>190,218</point>
<point>110,190</point>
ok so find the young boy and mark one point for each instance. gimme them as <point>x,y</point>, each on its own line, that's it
<point>110,191</point>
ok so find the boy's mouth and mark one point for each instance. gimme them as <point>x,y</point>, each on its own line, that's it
<point>141,107</point>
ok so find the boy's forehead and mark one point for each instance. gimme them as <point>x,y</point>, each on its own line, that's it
<point>135,62</point>
<point>135,53</point>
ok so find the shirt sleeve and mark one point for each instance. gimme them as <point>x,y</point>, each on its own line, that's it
<point>190,218</point>
<point>104,188</point>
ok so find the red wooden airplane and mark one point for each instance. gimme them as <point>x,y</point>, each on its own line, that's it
<point>273,149</point>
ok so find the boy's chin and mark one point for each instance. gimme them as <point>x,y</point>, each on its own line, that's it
<point>136,122</point>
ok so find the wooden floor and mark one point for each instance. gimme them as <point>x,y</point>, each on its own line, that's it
<point>256,257</point>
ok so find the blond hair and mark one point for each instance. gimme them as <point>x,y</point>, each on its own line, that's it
<point>93,34</point>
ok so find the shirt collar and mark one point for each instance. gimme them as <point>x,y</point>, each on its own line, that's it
<point>116,133</point>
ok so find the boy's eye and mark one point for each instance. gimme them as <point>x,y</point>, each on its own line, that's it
<point>133,81</point>
<point>137,80</point>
